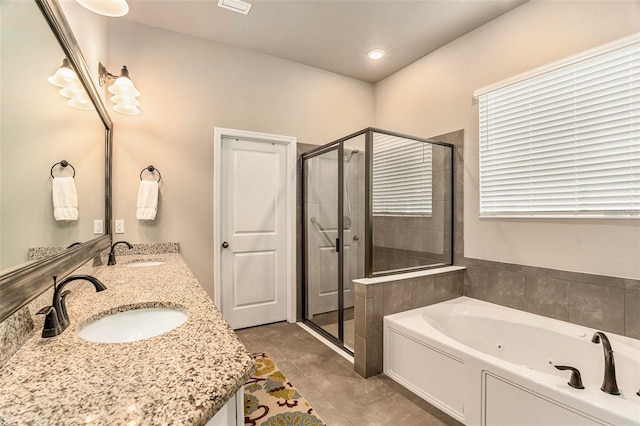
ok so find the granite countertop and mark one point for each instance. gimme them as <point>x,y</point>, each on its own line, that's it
<point>182,377</point>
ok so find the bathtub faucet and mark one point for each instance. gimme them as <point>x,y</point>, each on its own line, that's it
<point>609,384</point>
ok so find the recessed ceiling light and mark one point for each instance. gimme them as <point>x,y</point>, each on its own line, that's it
<point>236,5</point>
<point>375,54</point>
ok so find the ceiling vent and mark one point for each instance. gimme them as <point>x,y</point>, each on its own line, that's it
<point>236,5</point>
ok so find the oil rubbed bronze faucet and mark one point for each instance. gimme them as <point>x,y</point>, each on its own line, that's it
<point>57,319</point>
<point>112,254</point>
<point>609,384</point>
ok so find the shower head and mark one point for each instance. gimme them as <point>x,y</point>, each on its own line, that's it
<point>351,154</point>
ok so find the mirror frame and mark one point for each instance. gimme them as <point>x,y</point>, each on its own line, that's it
<point>20,286</point>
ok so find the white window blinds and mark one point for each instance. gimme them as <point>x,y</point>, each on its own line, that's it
<point>565,142</point>
<point>402,176</point>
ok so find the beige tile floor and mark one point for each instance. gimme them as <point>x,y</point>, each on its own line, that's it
<point>335,391</point>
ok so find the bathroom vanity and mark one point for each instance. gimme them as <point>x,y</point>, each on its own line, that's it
<point>192,374</point>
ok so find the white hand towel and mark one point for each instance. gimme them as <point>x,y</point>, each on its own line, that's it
<point>147,200</point>
<point>65,199</point>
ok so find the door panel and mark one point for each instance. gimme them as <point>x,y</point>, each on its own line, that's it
<point>255,191</point>
<point>254,275</point>
<point>253,223</point>
<point>321,220</point>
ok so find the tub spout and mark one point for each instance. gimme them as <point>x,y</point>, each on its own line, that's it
<point>609,384</point>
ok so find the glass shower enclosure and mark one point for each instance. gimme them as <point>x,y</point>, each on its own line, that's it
<point>373,203</point>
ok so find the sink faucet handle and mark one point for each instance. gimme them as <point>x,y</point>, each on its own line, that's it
<point>51,325</point>
<point>576,379</point>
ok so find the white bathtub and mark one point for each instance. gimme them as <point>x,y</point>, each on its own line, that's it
<point>485,364</point>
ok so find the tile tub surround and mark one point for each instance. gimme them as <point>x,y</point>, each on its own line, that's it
<point>375,298</point>
<point>596,301</point>
<point>182,377</point>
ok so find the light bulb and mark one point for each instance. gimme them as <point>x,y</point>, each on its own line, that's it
<point>123,86</point>
<point>64,76</point>
<point>80,103</point>
<point>112,8</point>
<point>73,91</point>
<point>128,110</point>
<point>126,101</point>
<point>375,54</point>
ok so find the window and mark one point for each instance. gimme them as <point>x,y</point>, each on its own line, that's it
<point>402,177</point>
<point>565,141</point>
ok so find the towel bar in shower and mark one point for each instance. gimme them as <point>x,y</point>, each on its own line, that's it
<point>322,231</point>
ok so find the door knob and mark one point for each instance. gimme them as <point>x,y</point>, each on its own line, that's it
<point>225,244</point>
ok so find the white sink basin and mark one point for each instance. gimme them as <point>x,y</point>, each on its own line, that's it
<point>143,263</point>
<point>136,324</point>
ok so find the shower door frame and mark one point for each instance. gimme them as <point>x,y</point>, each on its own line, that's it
<point>368,203</point>
<point>368,221</point>
<point>337,145</point>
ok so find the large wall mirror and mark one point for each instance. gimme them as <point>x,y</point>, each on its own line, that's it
<point>39,128</point>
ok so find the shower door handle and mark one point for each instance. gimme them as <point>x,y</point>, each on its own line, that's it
<point>337,245</point>
<point>225,245</point>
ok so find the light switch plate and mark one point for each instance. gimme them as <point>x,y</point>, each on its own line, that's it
<point>98,226</point>
<point>119,226</point>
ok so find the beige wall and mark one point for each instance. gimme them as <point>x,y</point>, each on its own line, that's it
<point>189,86</point>
<point>435,95</point>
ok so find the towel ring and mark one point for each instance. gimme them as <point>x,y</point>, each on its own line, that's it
<point>151,169</point>
<point>63,164</point>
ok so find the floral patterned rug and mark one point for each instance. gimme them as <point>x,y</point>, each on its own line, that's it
<point>271,400</point>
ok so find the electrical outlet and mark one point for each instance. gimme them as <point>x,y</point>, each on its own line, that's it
<point>119,226</point>
<point>98,226</point>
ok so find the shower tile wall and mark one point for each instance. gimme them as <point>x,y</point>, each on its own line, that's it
<point>374,301</point>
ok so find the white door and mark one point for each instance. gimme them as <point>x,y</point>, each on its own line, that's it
<point>253,231</point>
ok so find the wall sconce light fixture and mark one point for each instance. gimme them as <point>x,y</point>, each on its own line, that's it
<point>125,93</point>
<point>70,85</point>
<point>112,8</point>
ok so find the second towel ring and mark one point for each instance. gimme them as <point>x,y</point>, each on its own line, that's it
<point>151,169</point>
<point>63,164</point>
